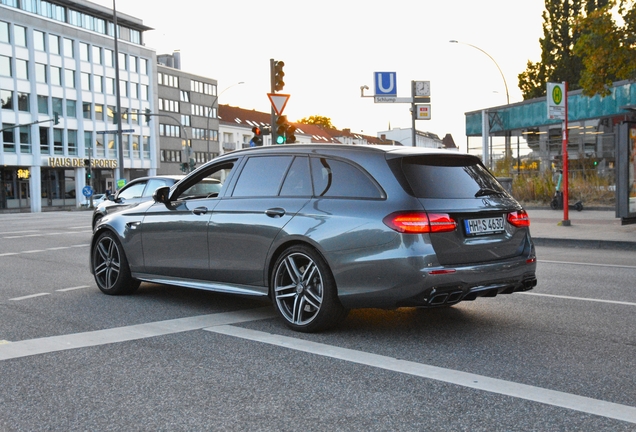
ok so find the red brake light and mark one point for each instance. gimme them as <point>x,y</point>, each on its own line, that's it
<point>420,222</point>
<point>519,218</point>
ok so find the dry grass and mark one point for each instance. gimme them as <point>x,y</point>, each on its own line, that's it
<point>584,186</point>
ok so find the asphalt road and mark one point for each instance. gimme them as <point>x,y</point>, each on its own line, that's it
<point>560,357</point>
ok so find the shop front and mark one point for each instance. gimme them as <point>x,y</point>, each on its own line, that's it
<point>14,189</point>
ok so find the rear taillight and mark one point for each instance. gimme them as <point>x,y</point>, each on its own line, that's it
<point>519,218</point>
<point>420,222</point>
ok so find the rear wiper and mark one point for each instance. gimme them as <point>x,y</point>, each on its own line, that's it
<point>486,191</point>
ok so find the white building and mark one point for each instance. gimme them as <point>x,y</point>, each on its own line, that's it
<point>57,58</point>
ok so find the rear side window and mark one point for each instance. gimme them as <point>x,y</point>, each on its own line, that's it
<point>153,184</point>
<point>133,191</point>
<point>262,176</point>
<point>448,177</point>
<point>334,178</point>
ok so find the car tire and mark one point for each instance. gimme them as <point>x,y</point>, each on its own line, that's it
<point>110,266</point>
<point>304,291</point>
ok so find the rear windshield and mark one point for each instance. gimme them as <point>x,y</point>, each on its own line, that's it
<point>448,177</point>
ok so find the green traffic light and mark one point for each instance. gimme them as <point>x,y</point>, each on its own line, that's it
<point>280,139</point>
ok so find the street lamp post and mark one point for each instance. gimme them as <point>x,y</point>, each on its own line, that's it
<point>493,60</point>
<point>485,155</point>
<point>207,129</point>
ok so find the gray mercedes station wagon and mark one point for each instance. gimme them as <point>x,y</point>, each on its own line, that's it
<point>321,229</point>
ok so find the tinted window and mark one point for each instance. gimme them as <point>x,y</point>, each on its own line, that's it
<point>298,180</point>
<point>333,178</point>
<point>262,176</point>
<point>132,191</point>
<point>448,177</point>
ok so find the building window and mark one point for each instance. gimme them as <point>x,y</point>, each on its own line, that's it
<point>123,88</point>
<point>110,113</point>
<point>132,63</point>
<point>97,55</point>
<point>86,110</point>
<point>44,141</point>
<point>110,86</point>
<point>38,40</point>
<point>43,104</point>
<point>57,105</point>
<point>88,143</point>
<point>6,97</point>
<point>122,61</point>
<point>108,57</point>
<point>71,108</point>
<point>134,90</point>
<point>8,137</point>
<point>68,48</point>
<point>143,93</point>
<point>184,96</point>
<point>40,73</point>
<point>83,51</point>
<point>4,32</point>
<point>85,81</point>
<point>72,142</point>
<point>185,120</point>
<point>19,36</point>
<point>143,66</point>
<point>58,144</point>
<point>5,66</point>
<point>146,147</point>
<point>69,78</point>
<point>25,139</point>
<point>23,102</point>
<point>22,69</point>
<point>99,112</point>
<point>54,44</point>
<point>56,75</point>
<point>98,86</point>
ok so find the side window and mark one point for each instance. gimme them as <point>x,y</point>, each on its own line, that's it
<point>133,191</point>
<point>298,180</point>
<point>262,176</point>
<point>334,178</point>
<point>207,184</point>
<point>153,184</point>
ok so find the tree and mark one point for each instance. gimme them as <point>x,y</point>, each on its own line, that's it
<point>608,50</point>
<point>318,121</point>
<point>558,61</point>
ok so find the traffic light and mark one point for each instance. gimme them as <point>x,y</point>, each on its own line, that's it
<point>56,117</point>
<point>291,130</point>
<point>281,129</point>
<point>184,167</point>
<point>193,164</point>
<point>278,75</point>
<point>115,117</point>
<point>147,116</point>
<point>87,165</point>
<point>257,139</point>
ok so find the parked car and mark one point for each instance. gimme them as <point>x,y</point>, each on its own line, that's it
<point>133,193</point>
<point>321,229</point>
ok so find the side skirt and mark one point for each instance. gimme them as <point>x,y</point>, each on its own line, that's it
<point>203,285</point>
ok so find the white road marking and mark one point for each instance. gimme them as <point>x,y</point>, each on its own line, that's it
<point>73,288</point>
<point>464,379</point>
<point>47,234</point>
<point>29,296</point>
<point>45,345</point>
<point>579,298</point>
<point>43,250</point>
<point>587,264</point>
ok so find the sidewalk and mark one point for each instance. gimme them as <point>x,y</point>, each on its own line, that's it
<point>589,228</point>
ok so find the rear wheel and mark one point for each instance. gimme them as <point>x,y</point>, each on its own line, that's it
<point>304,291</point>
<point>110,266</point>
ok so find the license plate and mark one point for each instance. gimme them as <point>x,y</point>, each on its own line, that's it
<point>484,225</point>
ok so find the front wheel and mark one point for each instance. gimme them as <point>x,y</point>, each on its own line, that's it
<point>110,266</point>
<point>304,291</point>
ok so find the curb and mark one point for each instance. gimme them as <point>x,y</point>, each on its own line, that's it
<point>584,243</point>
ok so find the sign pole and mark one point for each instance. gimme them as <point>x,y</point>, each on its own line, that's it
<point>566,218</point>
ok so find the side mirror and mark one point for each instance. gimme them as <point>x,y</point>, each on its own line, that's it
<point>162,195</point>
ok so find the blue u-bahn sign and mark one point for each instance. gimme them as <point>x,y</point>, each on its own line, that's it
<point>385,83</point>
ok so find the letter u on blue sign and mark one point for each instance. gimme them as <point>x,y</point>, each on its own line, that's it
<point>385,83</point>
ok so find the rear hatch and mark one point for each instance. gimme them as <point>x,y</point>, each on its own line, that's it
<point>491,224</point>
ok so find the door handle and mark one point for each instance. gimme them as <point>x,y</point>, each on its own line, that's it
<point>200,211</point>
<point>275,212</point>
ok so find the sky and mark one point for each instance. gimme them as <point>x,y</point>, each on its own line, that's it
<point>333,47</point>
